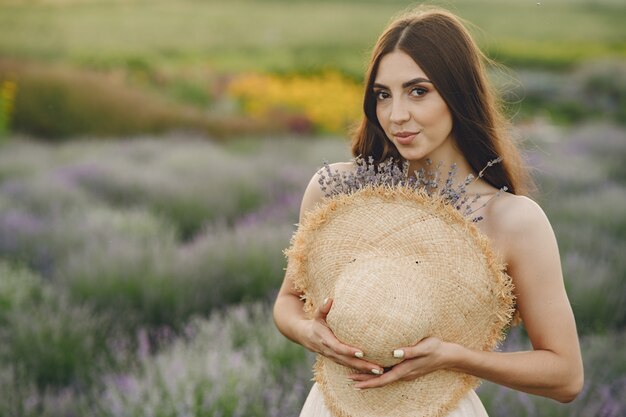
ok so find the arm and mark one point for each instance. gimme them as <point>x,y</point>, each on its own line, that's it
<point>314,334</point>
<point>554,367</point>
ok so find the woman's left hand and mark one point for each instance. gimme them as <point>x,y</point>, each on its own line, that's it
<point>428,355</point>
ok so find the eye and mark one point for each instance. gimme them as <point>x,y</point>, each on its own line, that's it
<point>381,95</point>
<point>417,91</point>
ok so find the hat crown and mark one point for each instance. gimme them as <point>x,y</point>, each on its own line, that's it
<point>358,316</point>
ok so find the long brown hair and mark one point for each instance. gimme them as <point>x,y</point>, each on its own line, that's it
<point>444,49</point>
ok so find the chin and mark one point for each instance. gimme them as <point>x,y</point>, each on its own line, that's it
<point>412,156</point>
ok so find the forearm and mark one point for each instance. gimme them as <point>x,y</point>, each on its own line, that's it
<point>539,372</point>
<point>289,318</point>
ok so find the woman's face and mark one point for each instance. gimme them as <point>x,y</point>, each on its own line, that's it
<point>411,112</point>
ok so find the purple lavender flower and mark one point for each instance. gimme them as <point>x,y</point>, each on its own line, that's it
<point>391,173</point>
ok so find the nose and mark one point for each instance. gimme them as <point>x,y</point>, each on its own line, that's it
<point>399,111</point>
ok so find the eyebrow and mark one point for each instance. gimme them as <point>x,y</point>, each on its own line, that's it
<point>406,84</point>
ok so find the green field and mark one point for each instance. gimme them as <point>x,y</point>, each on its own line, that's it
<point>292,35</point>
<point>83,66</point>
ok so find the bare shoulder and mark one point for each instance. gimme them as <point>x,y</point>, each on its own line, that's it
<point>515,224</point>
<point>314,193</point>
<point>515,213</point>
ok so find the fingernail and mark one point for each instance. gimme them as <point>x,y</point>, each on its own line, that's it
<point>376,372</point>
<point>357,389</point>
<point>349,379</point>
<point>398,353</point>
<point>359,355</point>
<point>325,301</point>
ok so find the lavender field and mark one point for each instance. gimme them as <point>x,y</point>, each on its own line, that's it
<point>153,154</point>
<point>138,273</point>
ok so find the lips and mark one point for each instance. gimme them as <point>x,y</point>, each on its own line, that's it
<point>405,138</point>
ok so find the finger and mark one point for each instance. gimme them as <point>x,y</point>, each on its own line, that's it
<point>363,366</point>
<point>409,352</point>
<point>345,355</point>
<point>345,350</point>
<point>354,363</point>
<point>331,341</point>
<point>326,305</point>
<point>352,356</point>
<point>379,381</point>
<point>361,377</point>
<point>322,311</point>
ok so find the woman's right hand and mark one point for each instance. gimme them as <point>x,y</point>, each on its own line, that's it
<point>321,339</point>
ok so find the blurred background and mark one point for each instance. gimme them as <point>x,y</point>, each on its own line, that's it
<point>153,154</point>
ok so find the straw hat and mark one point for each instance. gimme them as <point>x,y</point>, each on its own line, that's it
<point>400,265</point>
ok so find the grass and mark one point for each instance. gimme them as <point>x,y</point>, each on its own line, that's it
<point>58,101</point>
<point>112,68</point>
<point>291,35</point>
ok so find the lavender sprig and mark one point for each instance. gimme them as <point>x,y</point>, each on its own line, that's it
<point>390,173</point>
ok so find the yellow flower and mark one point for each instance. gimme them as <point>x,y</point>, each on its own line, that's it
<point>329,100</point>
<point>8,90</point>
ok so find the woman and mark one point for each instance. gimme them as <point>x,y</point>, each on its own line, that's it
<point>427,98</point>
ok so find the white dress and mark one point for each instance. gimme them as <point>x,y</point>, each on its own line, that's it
<point>469,406</point>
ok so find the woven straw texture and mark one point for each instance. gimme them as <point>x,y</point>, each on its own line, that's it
<point>400,266</point>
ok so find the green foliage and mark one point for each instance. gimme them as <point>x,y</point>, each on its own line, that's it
<point>19,288</point>
<point>594,90</point>
<point>225,366</point>
<point>124,176</point>
<point>190,93</point>
<point>170,76</point>
<point>604,84</point>
<point>230,266</point>
<point>46,339</point>
<point>55,344</point>
<point>583,193</point>
<point>7,98</point>
<point>58,102</point>
<point>150,232</point>
<point>245,35</point>
<point>124,268</point>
